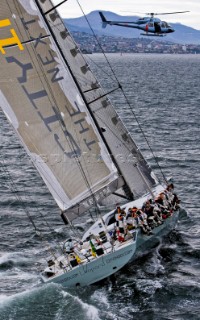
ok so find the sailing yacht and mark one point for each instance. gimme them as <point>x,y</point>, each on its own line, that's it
<point>72,133</point>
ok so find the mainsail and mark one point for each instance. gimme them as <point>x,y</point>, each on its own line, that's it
<point>116,135</point>
<point>59,110</point>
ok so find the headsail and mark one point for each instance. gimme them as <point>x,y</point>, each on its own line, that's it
<point>41,99</point>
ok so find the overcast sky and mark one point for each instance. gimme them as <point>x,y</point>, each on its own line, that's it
<point>70,9</point>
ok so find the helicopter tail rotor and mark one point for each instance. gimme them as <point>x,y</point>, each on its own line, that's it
<point>103,19</point>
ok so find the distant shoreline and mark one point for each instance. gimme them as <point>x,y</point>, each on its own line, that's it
<point>88,45</point>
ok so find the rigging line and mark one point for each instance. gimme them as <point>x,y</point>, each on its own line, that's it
<point>104,95</point>
<point>81,78</point>
<point>27,41</point>
<point>80,164</point>
<point>44,219</point>
<point>15,191</point>
<point>144,135</point>
<point>59,119</point>
<point>58,5</point>
<point>140,157</point>
<point>39,62</point>
<point>90,90</point>
<point>65,128</point>
<point>100,88</point>
<point>72,41</point>
<point>51,229</point>
<point>75,231</point>
<point>125,96</point>
<point>83,96</point>
<point>98,43</point>
<point>67,64</point>
<point>117,137</point>
<point>104,71</point>
<point>19,198</point>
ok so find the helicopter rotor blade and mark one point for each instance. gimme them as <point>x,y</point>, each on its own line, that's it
<point>164,13</point>
<point>132,12</point>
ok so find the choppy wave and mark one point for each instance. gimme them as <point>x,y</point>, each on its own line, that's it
<point>161,285</point>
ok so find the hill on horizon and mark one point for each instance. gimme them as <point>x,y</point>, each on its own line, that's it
<point>183,34</point>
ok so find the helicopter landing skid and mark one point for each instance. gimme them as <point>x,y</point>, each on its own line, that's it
<point>152,35</point>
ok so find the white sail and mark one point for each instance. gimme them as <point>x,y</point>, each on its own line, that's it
<point>65,121</point>
<point>42,101</point>
<point>129,160</point>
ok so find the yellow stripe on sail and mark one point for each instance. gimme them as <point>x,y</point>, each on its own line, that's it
<point>14,40</point>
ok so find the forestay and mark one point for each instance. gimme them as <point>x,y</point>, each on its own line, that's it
<point>42,101</point>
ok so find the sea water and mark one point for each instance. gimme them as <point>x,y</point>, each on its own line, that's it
<point>164,96</point>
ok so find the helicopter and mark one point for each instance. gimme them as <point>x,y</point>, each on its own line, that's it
<point>150,25</point>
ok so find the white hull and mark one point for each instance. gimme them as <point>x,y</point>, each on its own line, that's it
<point>144,242</point>
<point>97,269</point>
<point>98,226</point>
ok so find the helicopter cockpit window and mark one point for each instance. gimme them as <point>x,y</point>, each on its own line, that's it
<point>164,25</point>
